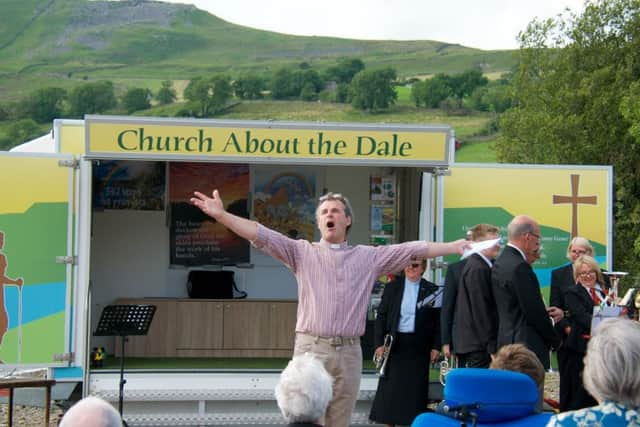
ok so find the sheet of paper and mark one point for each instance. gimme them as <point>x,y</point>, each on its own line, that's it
<point>480,246</point>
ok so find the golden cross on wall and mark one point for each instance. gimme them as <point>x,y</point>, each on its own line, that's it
<point>574,199</point>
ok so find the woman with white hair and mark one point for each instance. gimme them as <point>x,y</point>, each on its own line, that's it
<point>304,391</point>
<point>611,376</point>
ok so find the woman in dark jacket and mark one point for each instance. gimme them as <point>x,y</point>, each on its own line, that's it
<point>580,301</point>
<point>407,314</point>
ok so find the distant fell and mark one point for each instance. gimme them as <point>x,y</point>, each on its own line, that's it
<point>155,40</point>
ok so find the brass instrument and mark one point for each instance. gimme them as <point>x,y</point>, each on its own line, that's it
<point>445,367</point>
<point>381,362</point>
<point>444,370</point>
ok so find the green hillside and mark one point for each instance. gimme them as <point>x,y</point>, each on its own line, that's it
<point>63,42</point>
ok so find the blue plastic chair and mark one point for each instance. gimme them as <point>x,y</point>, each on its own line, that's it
<point>486,397</point>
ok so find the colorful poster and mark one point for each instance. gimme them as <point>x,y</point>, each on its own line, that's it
<point>34,218</point>
<point>565,200</point>
<point>382,188</point>
<point>286,202</point>
<point>122,184</point>
<point>195,238</point>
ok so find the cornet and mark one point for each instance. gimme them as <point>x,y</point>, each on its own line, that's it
<point>381,362</point>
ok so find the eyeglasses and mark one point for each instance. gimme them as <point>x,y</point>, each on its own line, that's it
<point>415,265</point>
<point>587,273</point>
<point>537,236</point>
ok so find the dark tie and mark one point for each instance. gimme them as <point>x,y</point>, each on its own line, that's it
<point>594,296</point>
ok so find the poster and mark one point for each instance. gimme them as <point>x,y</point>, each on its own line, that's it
<point>195,238</point>
<point>383,188</point>
<point>122,184</point>
<point>566,201</point>
<point>285,201</point>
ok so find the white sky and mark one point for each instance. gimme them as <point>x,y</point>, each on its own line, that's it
<point>484,24</point>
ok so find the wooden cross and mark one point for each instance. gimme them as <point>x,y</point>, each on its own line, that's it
<point>574,199</point>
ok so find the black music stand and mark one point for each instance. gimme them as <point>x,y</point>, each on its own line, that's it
<point>122,321</point>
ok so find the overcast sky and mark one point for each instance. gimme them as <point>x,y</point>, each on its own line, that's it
<point>484,24</point>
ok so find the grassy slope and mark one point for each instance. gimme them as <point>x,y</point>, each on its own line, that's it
<point>62,43</point>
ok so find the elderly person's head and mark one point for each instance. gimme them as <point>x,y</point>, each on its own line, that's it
<point>304,389</point>
<point>586,271</point>
<point>524,232</point>
<point>91,411</point>
<point>578,246</point>
<point>612,362</point>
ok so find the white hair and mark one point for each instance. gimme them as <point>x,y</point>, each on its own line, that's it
<point>91,411</point>
<point>304,389</point>
<point>612,361</point>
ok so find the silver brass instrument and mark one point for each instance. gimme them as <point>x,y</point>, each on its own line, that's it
<point>381,362</point>
<point>445,367</point>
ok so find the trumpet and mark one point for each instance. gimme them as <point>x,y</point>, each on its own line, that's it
<point>381,361</point>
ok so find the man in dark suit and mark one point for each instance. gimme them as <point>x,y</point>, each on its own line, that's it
<point>450,294</point>
<point>522,316</point>
<point>475,323</point>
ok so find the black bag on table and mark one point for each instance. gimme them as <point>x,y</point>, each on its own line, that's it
<point>218,284</point>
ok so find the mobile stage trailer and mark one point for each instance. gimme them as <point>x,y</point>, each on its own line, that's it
<point>104,219</point>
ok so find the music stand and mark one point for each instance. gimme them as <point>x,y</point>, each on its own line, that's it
<point>122,321</point>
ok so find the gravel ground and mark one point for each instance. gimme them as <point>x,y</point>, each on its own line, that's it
<point>29,416</point>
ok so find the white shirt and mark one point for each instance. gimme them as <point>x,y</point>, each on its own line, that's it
<point>408,308</point>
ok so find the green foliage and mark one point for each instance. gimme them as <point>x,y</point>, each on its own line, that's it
<point>345,70</point>
<point>44,105</point>
<point>18,132</point>
<point>209,95</point>
<point>249,86</point>
<point>308,92</point>
<point>92,98</point>
<point>430,93</point>
<point>373,90</point>
<point>495,97</point>
<point>288,84</point>
<point>166,94</point>
<point>576,103</point>
<point>136,99</point>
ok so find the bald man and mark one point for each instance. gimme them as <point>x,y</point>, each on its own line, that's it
<point>522,315</point>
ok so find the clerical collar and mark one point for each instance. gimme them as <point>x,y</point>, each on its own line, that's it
<point>342,245</point>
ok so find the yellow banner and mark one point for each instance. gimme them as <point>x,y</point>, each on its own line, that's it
<point>563,197</point>
<point>28,179</point>
<point>192,139</point>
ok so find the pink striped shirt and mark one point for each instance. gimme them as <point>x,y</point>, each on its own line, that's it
<point>334,284</point>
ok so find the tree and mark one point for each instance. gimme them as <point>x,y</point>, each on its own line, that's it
<point>432,92</point>
<point>576,103</point>
<point>249,86</point>
<point>92,98</point>
<point>209,95</point>
<point>44,104</point>
<point>166,94</point>
<point>19,132</point>
<point>373,90</point>
<point>345,70</point>
<point>137,99</point>
<point>281,84</point>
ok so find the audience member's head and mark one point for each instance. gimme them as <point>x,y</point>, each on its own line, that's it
<point>585,267</point>
<point>518,358</point>
<point>612,362</point>
<point>304,389</point>
<point>579,246</point>
<point>91,411</point>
